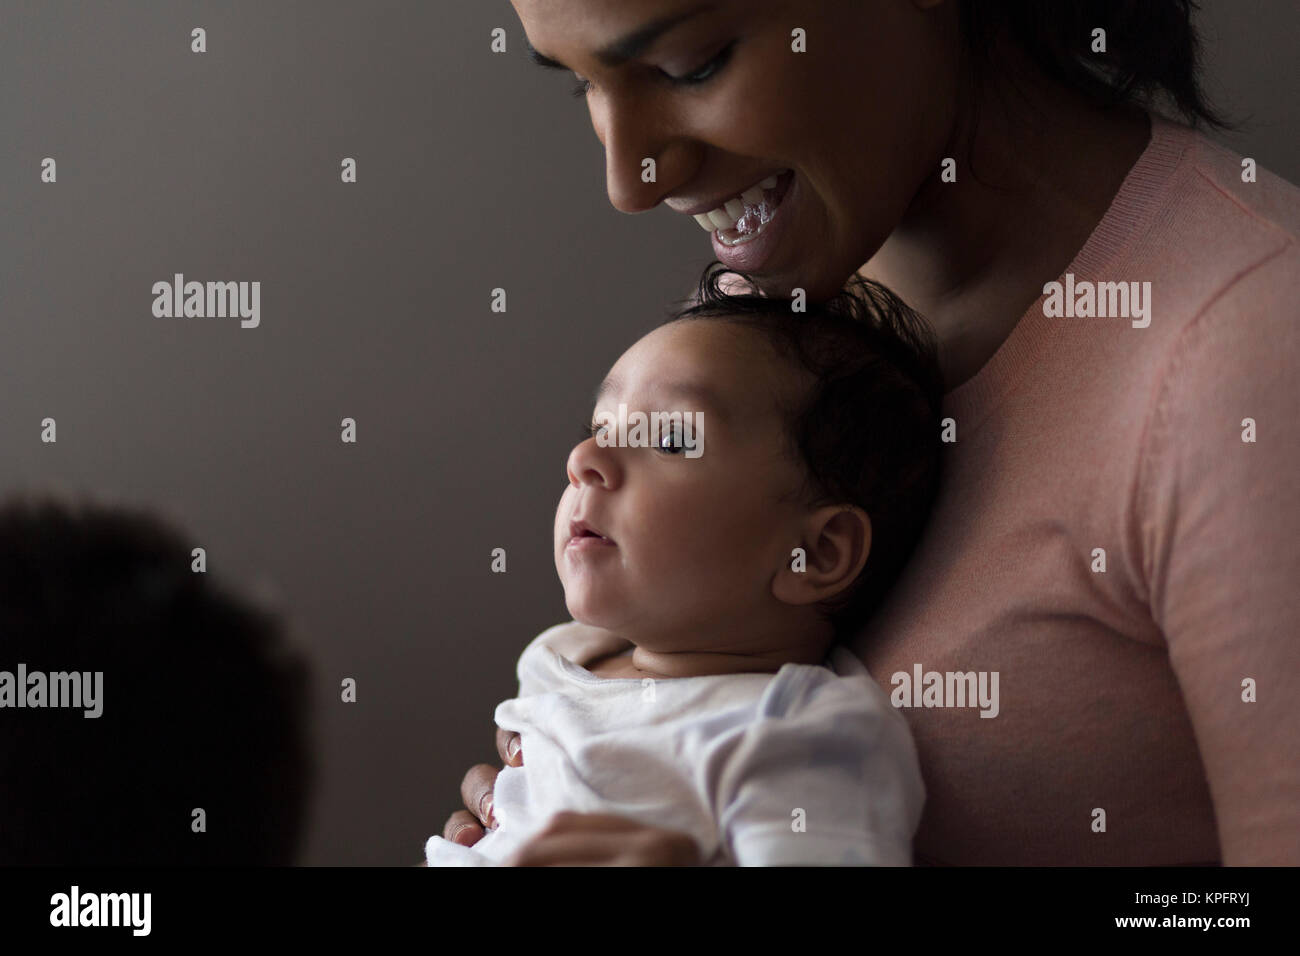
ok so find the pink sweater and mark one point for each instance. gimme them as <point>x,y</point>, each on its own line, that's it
<point>1122,690</point>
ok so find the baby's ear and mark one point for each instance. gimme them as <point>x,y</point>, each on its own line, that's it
<point>829,557</point>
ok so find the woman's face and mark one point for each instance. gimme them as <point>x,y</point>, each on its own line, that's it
<point>717,97</point>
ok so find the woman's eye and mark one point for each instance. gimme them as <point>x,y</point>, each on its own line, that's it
<point>583,86</point>
<point>707,71</point>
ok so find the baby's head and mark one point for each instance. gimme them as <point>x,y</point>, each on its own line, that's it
<point>204,699</point>
<point>814,430</point>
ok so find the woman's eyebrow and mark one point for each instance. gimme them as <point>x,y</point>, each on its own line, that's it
<point>630,45</point>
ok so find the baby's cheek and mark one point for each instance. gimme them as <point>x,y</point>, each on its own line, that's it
<point>710,553</point>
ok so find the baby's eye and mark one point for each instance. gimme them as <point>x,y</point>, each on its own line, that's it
<point>592,430</point>
<point>670,442</point>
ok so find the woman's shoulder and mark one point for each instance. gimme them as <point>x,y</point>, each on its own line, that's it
<point>1214,213</point>
<point>1259,198</point>
<point>1202,224</point>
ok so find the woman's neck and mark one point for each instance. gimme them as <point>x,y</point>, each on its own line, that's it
<point>973,254</point>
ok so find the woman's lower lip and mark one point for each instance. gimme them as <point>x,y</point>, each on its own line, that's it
<point>751,256</point>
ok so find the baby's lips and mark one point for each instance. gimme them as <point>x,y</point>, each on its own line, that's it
<point>581,528</point>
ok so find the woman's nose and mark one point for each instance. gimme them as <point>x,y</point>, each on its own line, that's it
<point>644,160</point>
<point>590,464</point>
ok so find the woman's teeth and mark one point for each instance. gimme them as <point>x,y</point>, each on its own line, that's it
<point>744,215</point>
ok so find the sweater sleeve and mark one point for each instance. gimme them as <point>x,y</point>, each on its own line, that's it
<point>1219,524</point>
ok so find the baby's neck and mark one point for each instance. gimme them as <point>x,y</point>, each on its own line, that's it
<point>639,662</point>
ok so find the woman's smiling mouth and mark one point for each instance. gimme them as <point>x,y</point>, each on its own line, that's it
<point>745,227</point>
<point>742,217</point>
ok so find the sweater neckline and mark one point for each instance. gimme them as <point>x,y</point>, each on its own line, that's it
<point>1131,211</point>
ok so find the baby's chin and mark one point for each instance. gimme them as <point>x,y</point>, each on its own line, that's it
<point>604,611</point>
<point>590,613</point>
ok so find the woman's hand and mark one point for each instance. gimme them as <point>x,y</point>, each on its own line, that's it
<point>569,839</point>
<point>466,827</point>
<point>602,839</point>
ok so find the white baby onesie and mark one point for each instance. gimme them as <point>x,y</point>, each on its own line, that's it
<point>811,765</point>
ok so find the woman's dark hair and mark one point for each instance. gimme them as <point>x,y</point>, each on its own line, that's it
<point>1152,48</point>
<point>866,430</point>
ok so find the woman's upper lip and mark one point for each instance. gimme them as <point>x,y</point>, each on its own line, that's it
<point>711,204</point>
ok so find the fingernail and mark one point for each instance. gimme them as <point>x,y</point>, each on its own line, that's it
<point>512,748</point>
<point>455,834</point>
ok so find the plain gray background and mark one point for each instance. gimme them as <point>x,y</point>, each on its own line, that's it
<point>475,171</point>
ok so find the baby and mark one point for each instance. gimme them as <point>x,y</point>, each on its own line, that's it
<point>713,564</point>
<point>203,699</point>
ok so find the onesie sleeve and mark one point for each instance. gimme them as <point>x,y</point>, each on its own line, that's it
<point>826,774</point>
<point>1219,522</point>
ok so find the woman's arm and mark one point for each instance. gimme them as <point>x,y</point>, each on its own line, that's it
<point>1220,526</point>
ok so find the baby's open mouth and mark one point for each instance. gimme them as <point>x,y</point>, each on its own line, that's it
<point>581,530</point>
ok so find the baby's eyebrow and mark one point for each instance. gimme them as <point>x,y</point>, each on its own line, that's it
<point>696,391</point>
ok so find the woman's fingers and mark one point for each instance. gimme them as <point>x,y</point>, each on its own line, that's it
<point>509,747</point>
<point>466,826</point>
<point>572,849</point>
<point>598,839</point>
<point>462,828</point>
<point>476,792</point>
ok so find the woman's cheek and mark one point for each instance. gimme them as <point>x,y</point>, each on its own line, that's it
<point>761,115</point>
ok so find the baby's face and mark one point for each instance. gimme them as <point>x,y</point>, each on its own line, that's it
<point>691,544</point>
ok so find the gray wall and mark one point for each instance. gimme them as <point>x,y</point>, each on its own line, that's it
<point>476,171</point>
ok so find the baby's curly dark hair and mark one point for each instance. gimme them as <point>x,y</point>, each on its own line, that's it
<point>867,432</point>
<point>204,702</point>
